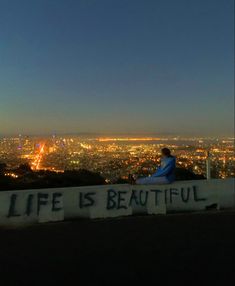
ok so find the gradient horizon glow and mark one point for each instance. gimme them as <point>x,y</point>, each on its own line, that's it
<point>157,66</point>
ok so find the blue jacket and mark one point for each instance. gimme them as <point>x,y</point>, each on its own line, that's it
<point>167,169</point>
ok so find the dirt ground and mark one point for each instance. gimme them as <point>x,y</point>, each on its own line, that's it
<point>190,249</point>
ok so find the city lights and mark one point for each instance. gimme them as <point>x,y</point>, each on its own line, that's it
<point>117,157</point>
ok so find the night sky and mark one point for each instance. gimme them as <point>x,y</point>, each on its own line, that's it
<point>140,66</point>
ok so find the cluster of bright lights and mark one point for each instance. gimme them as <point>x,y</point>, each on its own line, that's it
<point>36,163</point>
<point>108,139</point>
<point>11,175</point>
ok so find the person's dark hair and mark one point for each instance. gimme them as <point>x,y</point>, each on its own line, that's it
<point>166,152</point>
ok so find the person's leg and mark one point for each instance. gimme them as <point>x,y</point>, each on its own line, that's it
<point>152,181</point>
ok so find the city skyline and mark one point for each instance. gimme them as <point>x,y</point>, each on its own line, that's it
<point>111,67</point>
<point>113,158</point>
<point>121,135</point>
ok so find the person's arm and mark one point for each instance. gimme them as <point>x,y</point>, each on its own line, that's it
<point>165,171</point>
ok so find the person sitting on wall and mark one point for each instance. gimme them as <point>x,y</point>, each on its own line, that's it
<point>165,174</point>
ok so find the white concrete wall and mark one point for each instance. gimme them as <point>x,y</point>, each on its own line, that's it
<point>202,194</point>
<point>33,206</point>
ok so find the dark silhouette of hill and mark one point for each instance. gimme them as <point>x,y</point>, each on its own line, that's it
<point>181,174</point>
<point>29,179</point>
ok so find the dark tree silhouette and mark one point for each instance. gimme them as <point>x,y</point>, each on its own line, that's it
<point>182,174</point>
<point>3,167</point>
<point>24,169</point>
<point>29,179</point>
